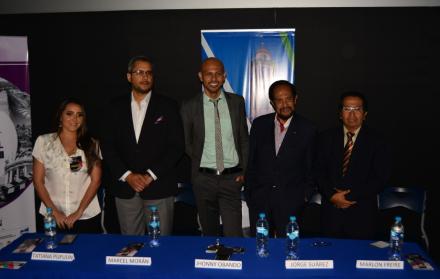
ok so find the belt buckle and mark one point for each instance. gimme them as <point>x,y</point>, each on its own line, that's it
<point>217,172</point>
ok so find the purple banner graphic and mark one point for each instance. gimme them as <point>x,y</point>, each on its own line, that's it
<point>17,212</point>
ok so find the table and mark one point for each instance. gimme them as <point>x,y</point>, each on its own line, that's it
<point>175,259</point>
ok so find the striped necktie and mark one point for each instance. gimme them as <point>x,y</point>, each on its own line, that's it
<point>347,153</point>
<point>218,138</point>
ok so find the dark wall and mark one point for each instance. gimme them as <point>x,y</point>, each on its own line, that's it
<point>390,54</point>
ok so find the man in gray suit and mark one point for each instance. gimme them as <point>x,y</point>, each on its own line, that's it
<point>216,140</point>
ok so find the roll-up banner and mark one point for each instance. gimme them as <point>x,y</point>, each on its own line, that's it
<point>17,209</point>
<point>253,59</point>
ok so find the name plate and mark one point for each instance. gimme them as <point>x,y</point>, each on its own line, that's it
<point>364,264</point>
<point>309,264</point>
<point>217,264</point>
<point>143,261</point>
<point>50,256</point>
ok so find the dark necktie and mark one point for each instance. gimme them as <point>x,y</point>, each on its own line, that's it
<point>218,138</point>
<point>347,153</point>
<point>281,126</point>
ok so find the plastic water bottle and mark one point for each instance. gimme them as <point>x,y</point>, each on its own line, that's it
<point>292,240</point>
<point>396,239</point>
<point>154,227</point>
<point>262,236</point>
<point>50,229</point>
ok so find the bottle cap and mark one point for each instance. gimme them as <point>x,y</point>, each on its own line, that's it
<point>262,215</point>
<point>292,218</point>
<point>153,208</point>
<point>398,218</point>
<point>49,210</point>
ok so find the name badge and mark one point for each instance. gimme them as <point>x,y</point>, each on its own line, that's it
<point>142,261</point>
<point>364,264</point>
<point>309,264</point>
<point>218,264</point>
<point>50,256</point>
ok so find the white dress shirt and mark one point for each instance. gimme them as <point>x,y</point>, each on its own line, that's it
<point>356,133</point>
<point>65,188</point>
<point>279,135</point>
<point>138,112</point>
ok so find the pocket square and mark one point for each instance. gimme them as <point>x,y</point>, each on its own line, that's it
<point>159,119</point>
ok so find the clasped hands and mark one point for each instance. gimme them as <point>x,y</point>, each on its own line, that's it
<point>66,222</point>
<point>138,181</point>
<point>339,201</point>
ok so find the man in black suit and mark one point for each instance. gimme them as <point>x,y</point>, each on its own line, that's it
<point>216,139</point>
<point>143,143</point>
<point>279,173</point>
<point>352,167</point>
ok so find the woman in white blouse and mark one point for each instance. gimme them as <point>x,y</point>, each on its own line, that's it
<point>67,171</point>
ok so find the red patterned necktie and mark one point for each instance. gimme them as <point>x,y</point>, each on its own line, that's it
<point>282,128</point>
<point>347,153</point>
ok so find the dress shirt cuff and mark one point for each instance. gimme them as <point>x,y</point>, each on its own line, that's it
<point>124,176</point>
<point>151,173</point>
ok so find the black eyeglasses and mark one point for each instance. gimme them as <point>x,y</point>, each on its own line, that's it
<point>143,73</point>
<point>350,109</point>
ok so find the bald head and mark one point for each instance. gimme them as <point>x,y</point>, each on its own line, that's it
<point>212,61</point>
<point>212,75</point>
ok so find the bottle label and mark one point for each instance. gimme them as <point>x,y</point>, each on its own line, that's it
<point>396,235</point>
<point>293,235</point>
<point>154,224</point>
<point>263,231</point>
<point>47,225</point>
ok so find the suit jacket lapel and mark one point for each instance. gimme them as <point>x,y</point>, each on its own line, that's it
<point>359,145</point>
<point>149,118</point>
<point>289,137</point>
<point>127,114</point>
<point>340,146</point>
<point>199,113</point>
<point>272,137</point>
<point>234,117</point>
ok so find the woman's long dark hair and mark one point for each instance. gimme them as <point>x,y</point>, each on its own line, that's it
<point>84,141</point>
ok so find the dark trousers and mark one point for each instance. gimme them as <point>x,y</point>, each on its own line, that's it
<point>92,225</point>
<point>277,209</point>
<point>356,222</point>
<point>218,196</point>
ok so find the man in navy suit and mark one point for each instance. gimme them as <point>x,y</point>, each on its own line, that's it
<point>279,173</point>
<point>352,167</point>
<point>143,143</point>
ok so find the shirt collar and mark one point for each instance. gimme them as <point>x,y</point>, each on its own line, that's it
<point>355,132</point>
<point>220,97</point>
<point>144,101</point>
<point>286,124</point>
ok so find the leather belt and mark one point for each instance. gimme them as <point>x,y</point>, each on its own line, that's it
<point>225,171</point>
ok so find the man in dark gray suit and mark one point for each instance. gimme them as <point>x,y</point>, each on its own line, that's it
<point>216,139</point>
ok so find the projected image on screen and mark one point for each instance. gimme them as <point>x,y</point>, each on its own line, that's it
<point>15,143</point>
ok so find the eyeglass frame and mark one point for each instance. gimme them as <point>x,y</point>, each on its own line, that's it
<point>352,109</point>
<point>142,73</point>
